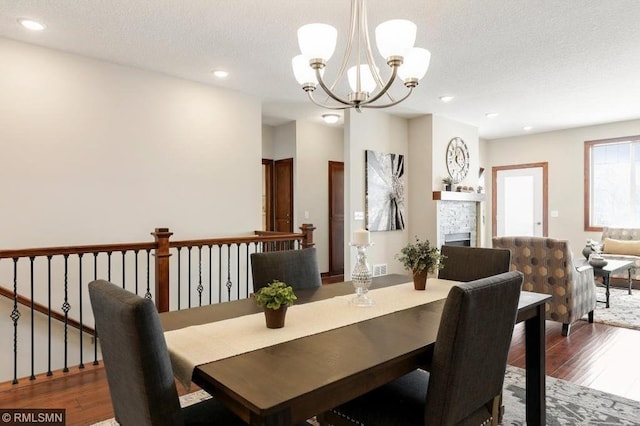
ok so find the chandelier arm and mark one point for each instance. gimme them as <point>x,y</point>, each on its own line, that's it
<point>328,91</point>
<point>347,52</point>
<point>334,107</point>
<point>384,89</point>
<point>389,104</point>
<point>367,42</point>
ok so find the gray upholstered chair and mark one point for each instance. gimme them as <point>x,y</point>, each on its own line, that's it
<point>472,263</point>
<point>469,363</point>
<point>547,265</point>
<point>297,268</point>
<point>136,360</point>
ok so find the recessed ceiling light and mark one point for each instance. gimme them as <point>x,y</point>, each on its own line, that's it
<point>446,99</point>
<point>31,24</point>
<point>492,114</point>
<point>221,73</point>
<point>330,118</point>
<point>527,128</point>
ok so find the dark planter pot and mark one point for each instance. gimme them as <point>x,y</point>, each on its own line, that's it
<point>275,317</point>
<point>447,187</point>
<point>420,280</point>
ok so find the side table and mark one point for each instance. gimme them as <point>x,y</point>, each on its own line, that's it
<point>612,267</point>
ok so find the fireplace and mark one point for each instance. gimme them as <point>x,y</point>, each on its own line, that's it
<point>458,239</point>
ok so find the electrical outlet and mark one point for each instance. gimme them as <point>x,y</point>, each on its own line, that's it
<point>380,269</point>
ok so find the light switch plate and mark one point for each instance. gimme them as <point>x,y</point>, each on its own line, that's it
<point>358,215</point>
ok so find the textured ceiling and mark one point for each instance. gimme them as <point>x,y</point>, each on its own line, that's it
<point>550,64</point>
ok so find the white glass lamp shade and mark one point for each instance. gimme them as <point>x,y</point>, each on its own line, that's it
<point>367,83</point>
<point>302,71</point>
<point>415,65</point>
<point>317,41</point>
<point>395,37</point>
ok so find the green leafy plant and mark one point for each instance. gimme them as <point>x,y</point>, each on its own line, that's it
<point>448,180</point>
<point>275,294</point>
<point>420,256</point>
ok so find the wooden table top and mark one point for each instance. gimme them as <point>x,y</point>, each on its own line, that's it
<point>310,375</point>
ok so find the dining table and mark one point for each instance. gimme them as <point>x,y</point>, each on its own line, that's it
<point>284,379</point>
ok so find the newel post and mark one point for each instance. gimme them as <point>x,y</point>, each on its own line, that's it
<point>307,229</point>
<point>162,255</point>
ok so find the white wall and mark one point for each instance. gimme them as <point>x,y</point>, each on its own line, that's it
<point>377,131</point>
<point>268,141</point>
<point>428,139</point>
<point>316,145</point>
<point>564,151</point>
<point>94,152</point>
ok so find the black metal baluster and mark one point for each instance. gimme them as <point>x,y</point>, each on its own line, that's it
<point>135,256</point>
<point>247,269</point>
<point>109,266</point>
<point>124,279</point>
<point>33,367</point>
<point>219,274</point>
<point>49,372</point>
<point>147,295</point>
<point>189,276</point>
<point>200,288</point>
<point>95,343</point>
<point>238,268</point>
<point>179,268</point>
<point>81,366</point>
<point>210,275</point>
<point>65,308</point>
<point>15,316</point>
<point>229,283</point>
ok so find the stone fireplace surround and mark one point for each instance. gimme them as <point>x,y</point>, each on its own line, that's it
<point>457,217</point>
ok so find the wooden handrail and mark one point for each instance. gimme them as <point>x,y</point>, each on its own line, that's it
<point>84,249</point>
<point>45,310</point>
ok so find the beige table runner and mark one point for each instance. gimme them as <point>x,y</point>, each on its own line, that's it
<point>200,344</point>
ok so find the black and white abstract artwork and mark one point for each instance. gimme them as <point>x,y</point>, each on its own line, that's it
<point>385,191</point>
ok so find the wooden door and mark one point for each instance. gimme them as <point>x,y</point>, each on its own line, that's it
<point>336,218</point>
<point>283,195</point>
<point>267,195</point>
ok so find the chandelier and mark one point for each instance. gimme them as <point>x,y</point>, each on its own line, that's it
<point>394,39</point>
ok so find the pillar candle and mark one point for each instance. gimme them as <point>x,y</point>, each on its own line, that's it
<point>361,237</point>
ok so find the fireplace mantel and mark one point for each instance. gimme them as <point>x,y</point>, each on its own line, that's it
<point>457,196</point>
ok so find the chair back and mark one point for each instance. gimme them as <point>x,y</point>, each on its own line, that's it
<point>136,360</point>
<point>470,355</point>
<point>297,268</point>
<point>472,263</point>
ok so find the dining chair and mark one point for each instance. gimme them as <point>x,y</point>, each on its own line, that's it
<point>297,268</point>
<point>468,368</point>
<point>137,364</point>
<point>472,263</point>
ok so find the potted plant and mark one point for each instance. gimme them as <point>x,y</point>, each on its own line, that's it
<point>420,259</point>
<point>448,183</point>
<point>275,298</point>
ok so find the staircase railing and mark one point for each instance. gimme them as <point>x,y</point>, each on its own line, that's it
<point>184,274</point>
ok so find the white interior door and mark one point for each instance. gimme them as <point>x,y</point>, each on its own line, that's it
<point>520,201</point>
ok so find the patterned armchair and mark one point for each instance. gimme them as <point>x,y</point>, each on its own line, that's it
<point>547,265</point>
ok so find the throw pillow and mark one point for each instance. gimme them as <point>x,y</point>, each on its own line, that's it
<point>630,247</point>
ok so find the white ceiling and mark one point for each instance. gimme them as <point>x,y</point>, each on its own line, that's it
<point>550,64</point>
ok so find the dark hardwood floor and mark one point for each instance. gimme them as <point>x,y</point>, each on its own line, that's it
<point>594,355</point>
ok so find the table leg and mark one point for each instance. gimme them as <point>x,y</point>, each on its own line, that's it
<point>535,368</point>
<point>630,281</point>
<point>605,281</point>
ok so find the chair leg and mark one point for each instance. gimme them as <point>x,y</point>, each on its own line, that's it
<point>565,329</point>
<point>591,316</point>
<point>495,410</point>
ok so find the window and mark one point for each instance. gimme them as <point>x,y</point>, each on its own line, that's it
<point>612,183</point>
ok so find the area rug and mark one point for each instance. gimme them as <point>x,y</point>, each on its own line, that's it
<point>623,311</point>
<point>567,404</point>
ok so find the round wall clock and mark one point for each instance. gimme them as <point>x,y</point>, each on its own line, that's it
<point>457,159</point>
